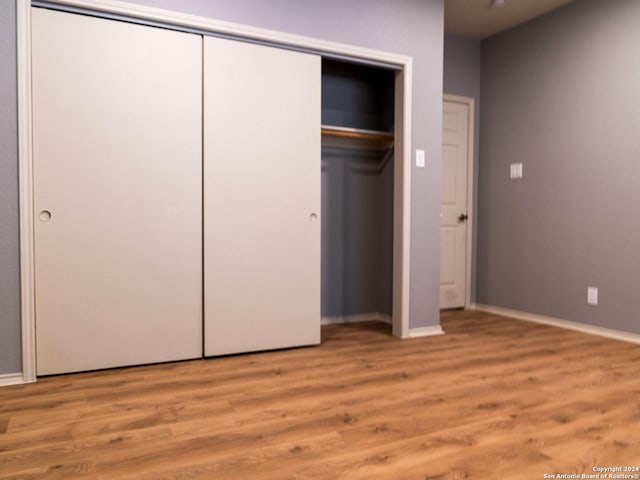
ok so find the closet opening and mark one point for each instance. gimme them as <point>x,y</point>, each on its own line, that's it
<point>357,240</point>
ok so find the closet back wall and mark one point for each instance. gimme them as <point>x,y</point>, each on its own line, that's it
<point>357,234</point>
<point>406,27</point>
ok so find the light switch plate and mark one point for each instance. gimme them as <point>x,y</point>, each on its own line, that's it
<point>420,158</point>
<point>592,296</point>
<point>515,170</point>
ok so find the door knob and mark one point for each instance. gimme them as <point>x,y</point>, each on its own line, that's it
<point>462,218</point>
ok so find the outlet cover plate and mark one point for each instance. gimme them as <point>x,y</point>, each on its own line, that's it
<point>515,170</point>
<point>592,296</point>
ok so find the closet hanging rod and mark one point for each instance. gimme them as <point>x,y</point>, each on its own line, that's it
<point>356,133</point>
<point>355,138</point>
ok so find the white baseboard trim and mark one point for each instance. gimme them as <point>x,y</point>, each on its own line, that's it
<point>11,379</point>
<point>357,317</point>
<point>425,331</point>
<point>558,322</point>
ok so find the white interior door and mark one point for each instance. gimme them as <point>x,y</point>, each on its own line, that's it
<point>261,197</point>
<point>453,224</point>
<point>117,183</point>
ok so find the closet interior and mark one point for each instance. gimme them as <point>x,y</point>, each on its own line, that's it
<point>357,191</point>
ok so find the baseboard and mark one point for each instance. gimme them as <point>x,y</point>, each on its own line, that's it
<point>558,322</point>
<point>11,379</point>
<point>357,317</point>
<point>425,331</point>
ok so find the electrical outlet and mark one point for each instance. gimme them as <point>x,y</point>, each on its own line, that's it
<point>592,296</point>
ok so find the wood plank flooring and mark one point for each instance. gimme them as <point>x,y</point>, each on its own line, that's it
<point>493,398</point>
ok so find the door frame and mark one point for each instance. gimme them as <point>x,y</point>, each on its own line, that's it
<point>402,150</point>
<point>470,103</point>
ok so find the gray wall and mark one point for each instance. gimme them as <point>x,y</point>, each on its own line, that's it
<point>462,77</point>
<point>410,27</point>
<point>561,95</point>
<point>10,356</point>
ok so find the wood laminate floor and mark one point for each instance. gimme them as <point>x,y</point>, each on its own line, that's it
<point>494,398</point>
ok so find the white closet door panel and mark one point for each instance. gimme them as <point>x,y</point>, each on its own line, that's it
<point>117,163</point>
<point>262,197</point>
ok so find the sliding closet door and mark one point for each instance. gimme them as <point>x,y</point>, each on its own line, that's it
<point>117,182</point>
<point>261,197</point>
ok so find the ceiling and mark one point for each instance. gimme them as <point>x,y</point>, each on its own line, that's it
<point>478,19</point>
